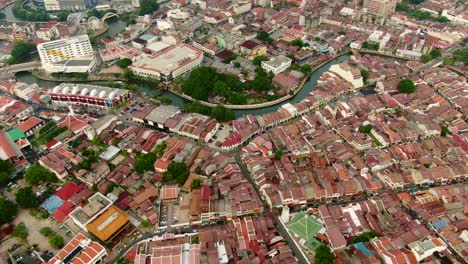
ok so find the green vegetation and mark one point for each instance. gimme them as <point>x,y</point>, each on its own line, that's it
<point>63,15</point>
<point>365,237</point>
<point>264,36</point>
<point>204,81</point>
<point>196,184</point>
<point>160,148</point>
<point>461,55</point>
<point>36,174</point>
<point>70,75</point>
<point>164,100</point>
<point>230,58</point>
<point>278,154</point>
<point>306,68</point>
<point>176,171</point>
<point>414,12</point>
<point>445,131</point>
<point>135,78</point>
<point>434,54</point>
<point>48,132</point>
<point>122,261</point>
<point>91,156</point>
<point>29,14</point>
<point>365,129</point>
<point>406,86</point>
<point>8,209</point>
<point>148,7</point>
<point>56,241</point>
<point>124,63</point>
<point>370,46</point>
<point>145,162</point>
<point>323,255</point>
<point>2,16</point>
<point>6,168</point>
<point>20,231</point>
<point>46,231</point>
<point>257,61</point>
<point>365,75</point>
<point>145,223</point>
<point>237,64</point>
<point>26,198</point>
<point>261,82</point>
<point>299,43</point>
<point>222,114</point>
<point>21,52</point>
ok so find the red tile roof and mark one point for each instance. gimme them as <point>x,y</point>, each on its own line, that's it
<point>29,124</point>
<point>68,190</point>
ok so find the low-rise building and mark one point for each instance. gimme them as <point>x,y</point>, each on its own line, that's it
<point>80,249</point>
<point>169,63</point>
<point>85,94</point>
<point>277,64</point>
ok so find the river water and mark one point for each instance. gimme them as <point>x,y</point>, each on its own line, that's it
<point>116,26</point>
<point>27,77</point>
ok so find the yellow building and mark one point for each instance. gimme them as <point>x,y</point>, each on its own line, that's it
<point>251,49</point>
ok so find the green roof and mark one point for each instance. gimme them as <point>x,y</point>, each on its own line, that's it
<point>16,134</point>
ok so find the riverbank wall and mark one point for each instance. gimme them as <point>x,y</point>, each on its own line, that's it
<point>266,104</point>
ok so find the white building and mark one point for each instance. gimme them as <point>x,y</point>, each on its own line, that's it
<point>426,247</point>
<point>80,249</point>
<point>168,63</point>
<point>277,65</point>
<point>178,14</point>
<point>60,5</point>
<point>23,90</point>
<point>74,54</point>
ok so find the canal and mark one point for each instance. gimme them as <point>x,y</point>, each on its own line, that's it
<point>149,90</point>
<point>117,25</point>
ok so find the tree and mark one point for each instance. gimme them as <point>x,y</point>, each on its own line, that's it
<point>6,168</point>
<point>20,231</point>
<point>298,43</point>
<point>257,61</point>
<point>56,241</point>
<point>196,184</point>
<point>461,55</point>
<point>364,75</point>
<point>365,129</point>
<point>2,15</point>
<point>264,36</point>
<point>145,223</point>
<point>8,209</point>
<point>222,114</point>
<point>365,237</point>
<point>148,7</point>
<point>406,86</point>
<point>435,53</point>
<point>237,64</point>
<point>176,171</point>
<point>46,231</point>
<point>426,58</point>
<point>21,52</point>
<point>26,198</point>
<point>160,148</point>
<point>306,68</point>
<point>145,162</point>
<point>444,131</point>
<point>323,255</point>
<point>124,63</point>
<point>278,154</point>
<point>63,15</point>
<point>36,174</point>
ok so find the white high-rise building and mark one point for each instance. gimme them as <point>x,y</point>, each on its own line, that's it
<point>74,54</point>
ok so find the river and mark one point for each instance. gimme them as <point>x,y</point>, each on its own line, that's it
<point>27,77</point>
<point>116,26</point>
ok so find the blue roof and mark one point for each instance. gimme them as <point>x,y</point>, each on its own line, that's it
<point>440,224</point>
<point>363,248</point>
<point>52,203</point>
